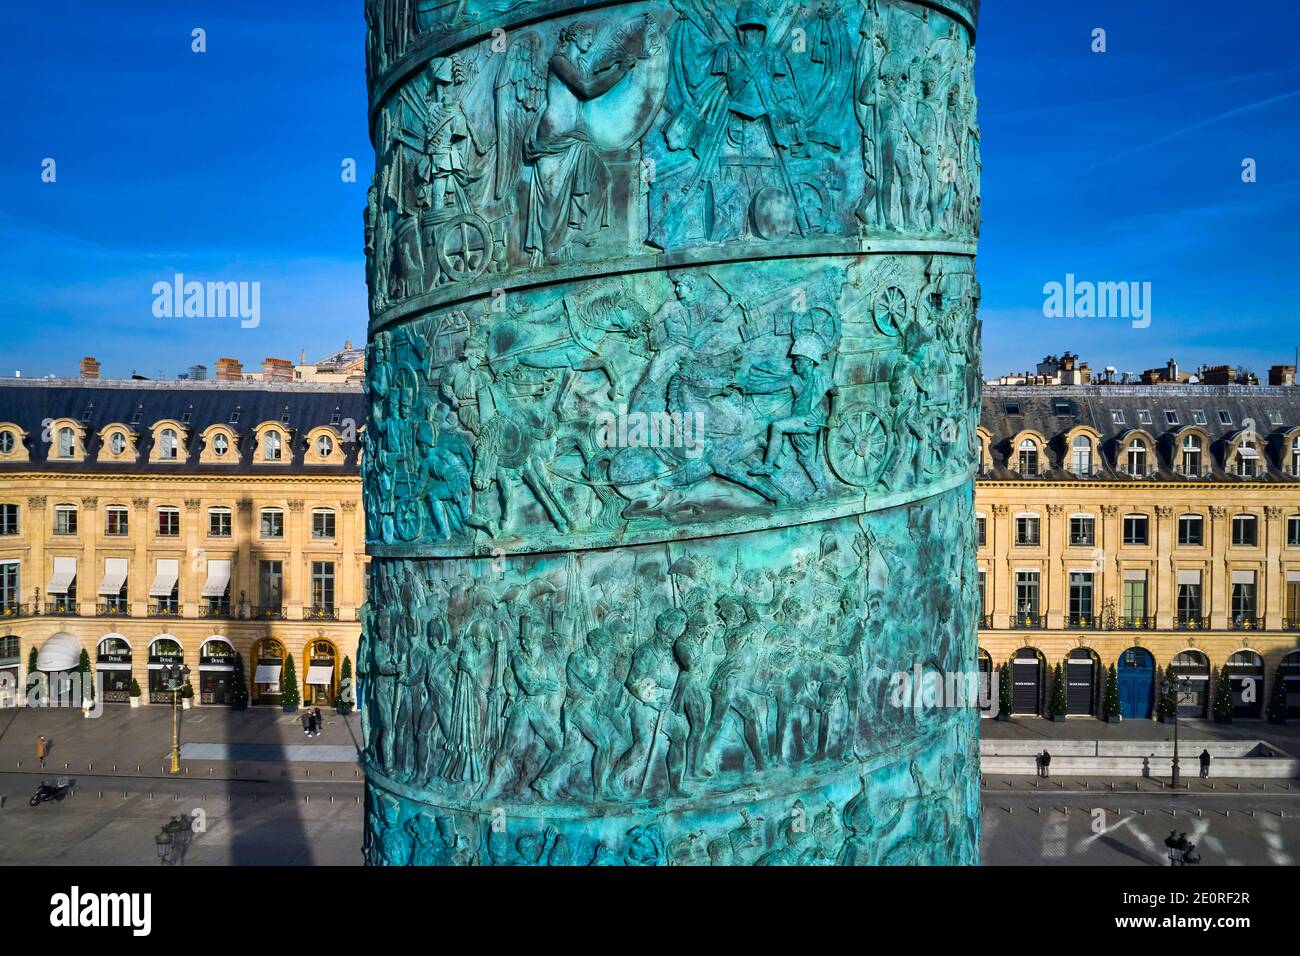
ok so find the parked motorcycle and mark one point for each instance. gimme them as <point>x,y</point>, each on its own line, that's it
<point>49,791</point>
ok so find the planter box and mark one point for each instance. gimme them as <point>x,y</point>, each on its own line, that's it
<point>1223,720</point>
<point>1003,715</point>
<point>1113,720</point>
<point>135,701</point>
<point>1058,718</point>
<point>186,703</point>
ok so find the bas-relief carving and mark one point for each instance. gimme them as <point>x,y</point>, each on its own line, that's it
<point>723,502</point>
<point>670,127</point>
<point>737,393</point>
<point>676,673</point>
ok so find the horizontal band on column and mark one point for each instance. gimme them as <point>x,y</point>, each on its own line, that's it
<point>555,542</point>
<point>703,257</point>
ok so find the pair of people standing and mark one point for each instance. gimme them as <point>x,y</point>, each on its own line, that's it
<point>312,722</point>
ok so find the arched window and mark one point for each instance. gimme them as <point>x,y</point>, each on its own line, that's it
<point>7,441</point>
<point>324,446</point>
<point>1028,458</point>
<point>1295,456</point>
<point>117,443</point>
<point>1192,456</point>
<point>1137,458</point>
<point>167,445</point>
<point>1081,456</point>
<point>67,443</point>
<point>220,444</point>
<point>271,446</point>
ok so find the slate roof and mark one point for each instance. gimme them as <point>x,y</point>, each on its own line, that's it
<point>29,403</point>
<point>1009,409</point>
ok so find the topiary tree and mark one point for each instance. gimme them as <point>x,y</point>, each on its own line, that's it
<point>1223,697</point>
<point>238,685</point>
<point>289,696</point>
<point>135,688</point>
<point>1004,691</point>
<point>1057,707</point>
<point>1110,708</point>
<point>1277,699</point>
<point>347,695</point>
<point>1167,706</point>
<point>86,677</point>
<point>31,661</point>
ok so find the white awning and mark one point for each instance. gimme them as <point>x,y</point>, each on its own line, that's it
<point>111,666</point>
<point>60,653</point>
<point>218,579</point>
<point>114,576</point>
<point>1131,575</point>
<point>321,674</point>
<point>1243,577</point>
<point>169,569</point>
<point>1293,576</point>
<point>1189,577</point>
<point>267,674</point>
<point>65,572</point>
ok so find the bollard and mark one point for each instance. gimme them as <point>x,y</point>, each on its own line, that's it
<point>1038,810</point>
<point>101,794</point>
<point>306,799</point>
<point>90,766</point>
<point>309,773</point>
<point>1198,812</point>
<point>331,798</point>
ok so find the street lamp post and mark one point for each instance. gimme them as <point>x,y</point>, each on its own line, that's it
<point>177,675</point>
<point>1181,685</point>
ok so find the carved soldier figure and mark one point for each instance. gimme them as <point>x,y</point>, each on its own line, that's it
<point>811,382</point>
<point>900,142</point>
<point>533,712</point>
<point>652,680</point>
<point>732,684</point>
<point>585,716</point>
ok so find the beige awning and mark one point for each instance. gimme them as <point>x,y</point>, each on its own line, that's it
<point>1132,575</point>
<point>267,674</point>
<point>65,572</point>
<point>320,674</point>
<point>1189,577</point>
<point>169,570</point>
<point>1243,577</point>
<point>218,579</point>
<point>114,576</point>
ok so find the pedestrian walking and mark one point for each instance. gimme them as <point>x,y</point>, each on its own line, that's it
<point>306,722</point>
<point>42,750</point>
<point>1205,764</point>
<point>1047,763</point>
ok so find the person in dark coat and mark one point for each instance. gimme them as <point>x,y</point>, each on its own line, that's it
<point>1047,763</point>
<point>1205,764</point>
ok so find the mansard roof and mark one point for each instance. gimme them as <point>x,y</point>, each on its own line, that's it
<point>139,405</point>
<point>1053,410</point>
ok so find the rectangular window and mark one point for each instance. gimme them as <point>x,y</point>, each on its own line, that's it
<point>1275,418</point>
<point>1135,599</point>
<point>1245,531</point>
<point>1062,406</point>
<point>1137,459</point>
<point>1191,531</point>
<point>1293,604</point>
<point>8,519</point>
<point>169,522</point>
<point>1198,416</point>
<point>1243,602</point>
<point>1293,531</point>
<point>322,524</point>
<point>270,585</point>
<point>981,530</point>
<point>1224,418</point>
<point>219,523</point>
<point>1083,531</point>
<point>65,519</point>
<point>10,589</point>
<point>1080,598</point>
<point>272,523</point>
<point>1144,416</point>
<point>1171,417</point>
<point>1027,597</point>
<point>1137,530</point>
<point>984,604</point>
<point>1012,408</point>
<point>322,585</point>
<point>1117,416</point>
<point>1189,604</point>
<point>116,524</point>
<point>1027,527</point>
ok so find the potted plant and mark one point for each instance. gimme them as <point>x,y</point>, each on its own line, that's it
<point>1167,706</point>
<point>289,697</point>
<point>86,678</point>
<point>1004,692</point>
<point>346,699</point>
<point>1277,699</point>
<point>1223,698</point>
<point>1110,709</point>
<point>134,693</point>
<point>1057,708</point>
<point>238,685</point>
<point>187,696</point>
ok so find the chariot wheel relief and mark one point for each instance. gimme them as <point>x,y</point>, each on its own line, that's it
<point>464,247</point>
<point>890,312</point>
<point>858,446</point>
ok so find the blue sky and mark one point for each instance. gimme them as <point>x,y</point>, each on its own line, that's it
<point>1115,166</point>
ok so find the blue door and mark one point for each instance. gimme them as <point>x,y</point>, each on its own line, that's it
<point>1136,676</point>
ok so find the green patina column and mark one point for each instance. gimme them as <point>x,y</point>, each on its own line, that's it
<point>673,387</point>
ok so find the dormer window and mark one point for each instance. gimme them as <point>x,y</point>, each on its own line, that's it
<point>1144,416</point>
<point>1171,417</point>
<point>1275,418</point>
<point>1028,458</point>
<point>67,443</point>
<point>336,418</point>
<point>234,417</point>
<point>324,446</point>
<point>1247,462</point>
<point>1081,456</point>
<point>1117,416</point>
<point>271,447</point>
<point>1224,418</point>
<point>186,418</point>
<point>1295,456</point>
<point>1192,456</point>
<point>167,444</point>
<point>135,419</point>
<point>117,443</point>
<point>1137,459</point>
<point>1198,416</point>
<point>220,445</point>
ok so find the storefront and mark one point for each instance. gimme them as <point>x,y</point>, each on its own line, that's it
<point>268,654</point>
<point>11,691</point>
<point>163,652</point>
<point>113,667</point>
<point>1192,671</point>
<point>1290,670</point>
<point>1246,672</point>
<point>321,680</point>
<point>1082,669</point>
<point>57,660</point>
<point>1027,682</point>
<point>216,671</point>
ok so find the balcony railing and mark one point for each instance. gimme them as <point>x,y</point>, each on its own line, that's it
<point>1082,621</point>
<point>1026,620</point>
<point>320,614</point>
<point>268,613</point>
<point>112,610</point>
<point>986,621</point>
<point>218,611</point>
<point>61,608</point>
<point>164,610</point>
<point>1246,624</point>
<point>1191,623</point>
<point>1291,624</point>
<point>1132,624</point>
<point>14,609</point>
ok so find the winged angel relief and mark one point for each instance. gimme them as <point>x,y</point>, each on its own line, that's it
<point>511,159</point>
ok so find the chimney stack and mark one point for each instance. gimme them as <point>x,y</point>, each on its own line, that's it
<point>229,370</point>
<point>89,367</point>
<point>277,370</point>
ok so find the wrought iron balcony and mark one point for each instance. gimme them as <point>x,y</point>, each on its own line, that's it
<point>1191,623</point>
<point>268,613</point>
<point>61,608</point>
<point>1291,624</point>
<point>320,614</point>
<point>1026,620</point>
<point>164,610</point>
<point>1083,621</point>
<point>1132,624</point>
<point>986,621</point>
<point>113,609</point>
<point>1242,623</point>
<point>14,609</point>
<point>218,611</point>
